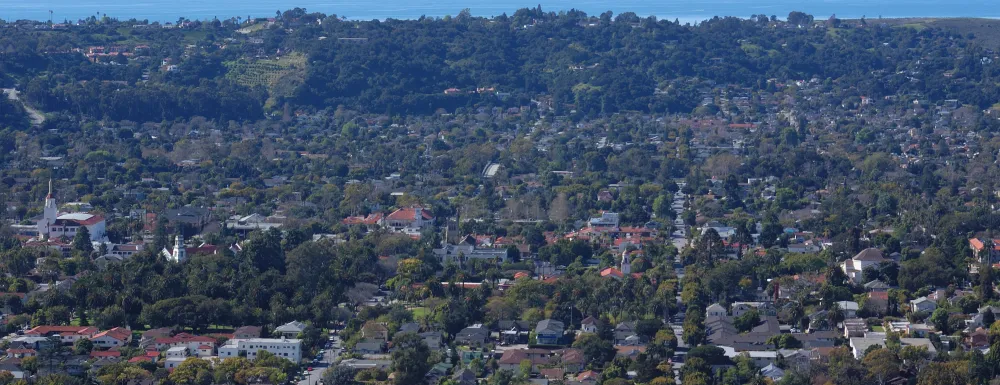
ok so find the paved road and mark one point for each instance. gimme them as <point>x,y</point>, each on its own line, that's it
<point>36,117</point>
<point>318,368</point>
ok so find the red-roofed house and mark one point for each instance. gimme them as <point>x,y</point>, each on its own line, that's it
<point>202,249</point>
<point>613,273</point>
<point>247,332</point>
<point>105,353</point>
<point>589,377</point>
<point>511,359</point>
<point>369,220</point>
<point>112,338</point>
<point>409,220</point>
<point>878,302</point>
<point>192,342</point>
<point>987,251</point>
<point>205,351</point>
<point>66,334</point>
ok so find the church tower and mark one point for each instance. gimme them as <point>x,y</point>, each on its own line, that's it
<point>179,254</point>
<point>49,214</point>
<point>626,264</point>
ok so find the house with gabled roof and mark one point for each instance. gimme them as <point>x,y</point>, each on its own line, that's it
<point>408,220</point>
<point>115,337</point>
<point>66,334</point>
<point>549,332</point>
<point>854,268</point>
<point>245,332</point>
<point>291,329</point>
<point>589,325</point>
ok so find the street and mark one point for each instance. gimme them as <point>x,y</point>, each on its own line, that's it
<point>329,356</point>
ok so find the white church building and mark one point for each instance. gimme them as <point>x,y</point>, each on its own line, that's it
<point>178,254</point>
<point>54,225</point>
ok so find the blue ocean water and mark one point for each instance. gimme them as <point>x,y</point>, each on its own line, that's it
<point>684,10</point>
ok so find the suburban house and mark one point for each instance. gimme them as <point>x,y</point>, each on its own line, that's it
<point>623,331</point>
<point>985,251</point>
<point>369,347</point>
<point>291,329</point>
<point>375,331</point>
<point>408,220</point>
<point>465,252</point>
<point>112,338</point>
<point>247,332</point>
<point>433,339</point>
<point>923,304</point>
<point>190,341</point>
<point>195,218</point>
<point>854,268</point>
<point>472,335</point>
<point>850,308</point>
<point>589,325</point>
<point>66,334</point>
<point>762,308</point>
<point>549,332</point>
<point>511,359</point>
<point>514,332</point>
<point>716,310</point>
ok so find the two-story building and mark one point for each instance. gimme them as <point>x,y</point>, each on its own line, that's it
<point>287,348</point>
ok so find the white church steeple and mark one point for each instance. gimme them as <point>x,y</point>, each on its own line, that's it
<point>49,214</point>
<point>179,254</point>
<point>626,264</point>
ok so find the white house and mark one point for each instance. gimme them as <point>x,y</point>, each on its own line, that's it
<point>112,338</point>
<point>450,253</point>
<point>289,349</point>
<point>850,308</point>
<point>922,304</point>
<point>854,268</point>
<point>605,220</point>
<point>177,351</point>
<point>408,220</point>
<point>716,310</point>
<point>291,329</point>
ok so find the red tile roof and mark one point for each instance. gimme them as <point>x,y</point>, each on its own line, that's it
<point>63,330</point>
<point>371,219</point>
<point>105,353</point>
<point>612,272</point>
<point>120,334</point>
<point>409,214</point>
<point>184,338</point>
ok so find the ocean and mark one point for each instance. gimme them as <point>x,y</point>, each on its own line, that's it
<point>684,10</point>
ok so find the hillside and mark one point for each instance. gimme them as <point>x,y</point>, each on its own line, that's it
<point>985,31</point>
